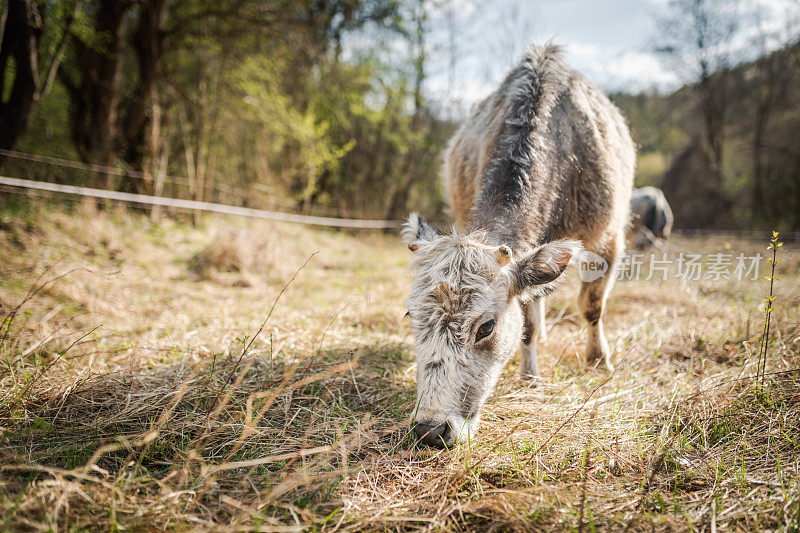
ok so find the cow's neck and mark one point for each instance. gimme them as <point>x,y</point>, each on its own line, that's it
<point>506,209</point>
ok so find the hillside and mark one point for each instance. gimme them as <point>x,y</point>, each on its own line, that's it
<point>761,171</point>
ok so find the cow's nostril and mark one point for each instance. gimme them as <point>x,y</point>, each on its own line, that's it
<point>439,435</point>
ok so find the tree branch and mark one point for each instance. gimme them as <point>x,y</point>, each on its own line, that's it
<point>58,55</point>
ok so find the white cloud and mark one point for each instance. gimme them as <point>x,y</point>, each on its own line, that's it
<point>618,69</point>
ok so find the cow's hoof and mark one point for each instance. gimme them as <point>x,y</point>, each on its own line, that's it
<point>530,379</point>
<point>599,360</point>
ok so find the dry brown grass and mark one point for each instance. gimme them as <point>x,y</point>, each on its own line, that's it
<point>135,394</point>
<point>246,252</point>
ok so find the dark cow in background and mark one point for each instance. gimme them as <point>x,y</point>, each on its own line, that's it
<point>651,217</point>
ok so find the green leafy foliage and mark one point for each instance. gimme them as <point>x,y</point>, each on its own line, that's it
<point>248,103</point>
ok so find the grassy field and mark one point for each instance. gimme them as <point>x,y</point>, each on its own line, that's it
<point>244,375</point>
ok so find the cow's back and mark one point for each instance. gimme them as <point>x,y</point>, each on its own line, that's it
<point>581,162</point>
<point>469,153</point>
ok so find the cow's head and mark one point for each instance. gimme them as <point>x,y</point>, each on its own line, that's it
<point>467,320</point>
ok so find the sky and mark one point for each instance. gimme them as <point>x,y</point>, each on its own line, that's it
<point>473,43</point>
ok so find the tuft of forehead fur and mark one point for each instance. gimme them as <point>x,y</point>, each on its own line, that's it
<point>461,262</point>
<point>455,279</point>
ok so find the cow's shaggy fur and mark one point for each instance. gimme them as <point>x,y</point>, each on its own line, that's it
<point>544,159</point>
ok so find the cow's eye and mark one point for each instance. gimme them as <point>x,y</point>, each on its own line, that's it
<point>485,330</point>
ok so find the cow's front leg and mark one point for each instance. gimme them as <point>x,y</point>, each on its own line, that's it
<point>533,331</point>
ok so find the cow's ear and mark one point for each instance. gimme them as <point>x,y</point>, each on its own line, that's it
<point>543,265</point>
<point>416,232</point>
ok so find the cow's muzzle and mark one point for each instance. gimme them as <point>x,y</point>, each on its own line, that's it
<point>438,435</point>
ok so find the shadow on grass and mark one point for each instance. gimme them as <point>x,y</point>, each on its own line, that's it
<point>280,424</point>
<point>307,402</point>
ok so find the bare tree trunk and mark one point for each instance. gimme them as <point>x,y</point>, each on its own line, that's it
<point>94,89</point>
<point>759,129</point>
<point>199,156</point>
<point>157,155</point>
<point>421,17</point>
<point>21,33</point>
<point>774,73</point>
<point>713,108</point>
<point>161,146</point>
<point>189,157</point>
<point>149,44</point>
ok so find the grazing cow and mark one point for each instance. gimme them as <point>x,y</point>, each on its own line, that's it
<point>652,217</point>
<point>542,165</point>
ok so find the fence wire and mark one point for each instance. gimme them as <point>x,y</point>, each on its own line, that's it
<point>194,205</point>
